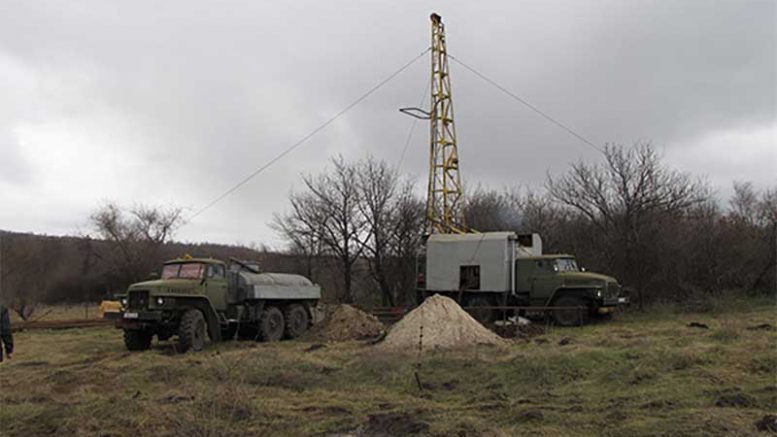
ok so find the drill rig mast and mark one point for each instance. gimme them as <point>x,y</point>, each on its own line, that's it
<point>445,198</point>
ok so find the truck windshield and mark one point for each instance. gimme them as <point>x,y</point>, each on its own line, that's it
<point>566,265</point>
<point>183,271</point>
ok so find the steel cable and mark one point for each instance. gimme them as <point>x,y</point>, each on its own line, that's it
<point>527,104</point>
<point>304,138</point>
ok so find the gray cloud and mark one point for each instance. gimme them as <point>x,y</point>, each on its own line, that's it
<point>175,102</point>
<point>14,169</point>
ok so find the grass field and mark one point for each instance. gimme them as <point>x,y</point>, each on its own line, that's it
<point>644,374</point>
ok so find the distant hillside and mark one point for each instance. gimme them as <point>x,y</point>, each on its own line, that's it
<point>54,269</point>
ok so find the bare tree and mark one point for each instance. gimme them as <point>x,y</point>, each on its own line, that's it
<point>395,219</point>
<point>301,228</point>
<point>626,199</point>
<point>408,219</point>
<point>744,203</point>
<point>377,186</point>
<point>755,214</point>
<point>328,213</point>
<point>137,235</point>
<point>360,211</point>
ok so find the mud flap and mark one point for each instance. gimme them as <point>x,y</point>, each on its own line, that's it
<point>214,327</point>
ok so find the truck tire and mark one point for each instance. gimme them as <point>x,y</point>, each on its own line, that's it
<point>271,324</point>
<point>192,331</point>
<point>137,339</point>
<point>485,316</point>
<point>297,320</point>
<point>570,317</point>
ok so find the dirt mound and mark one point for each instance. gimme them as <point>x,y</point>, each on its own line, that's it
<point>438,323</point>
<point>346,322</point>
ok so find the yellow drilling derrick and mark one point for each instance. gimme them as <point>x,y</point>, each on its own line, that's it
<point>445,198</point>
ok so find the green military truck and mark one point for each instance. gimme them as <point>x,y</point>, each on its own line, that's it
<point>557,280</point>
<point>195,298</point>
<point>505,269</point>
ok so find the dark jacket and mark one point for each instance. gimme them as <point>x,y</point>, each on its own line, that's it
<point>5,332</point>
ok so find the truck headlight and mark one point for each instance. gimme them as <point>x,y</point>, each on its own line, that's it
<point>598,293</point>
<point>124,301</point>
<point>160,301</point>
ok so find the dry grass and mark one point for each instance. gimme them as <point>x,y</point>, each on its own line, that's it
<point>637,375</point>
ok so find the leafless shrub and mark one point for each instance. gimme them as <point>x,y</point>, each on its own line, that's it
<point>136,235</point>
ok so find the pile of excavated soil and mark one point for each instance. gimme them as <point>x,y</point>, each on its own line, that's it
<point>345,322</point>
<point>439,323</point>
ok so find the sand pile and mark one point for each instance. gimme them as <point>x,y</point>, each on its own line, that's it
<point>345,322</point>
<point>443,324</point>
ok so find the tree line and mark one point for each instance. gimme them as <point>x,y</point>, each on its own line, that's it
<point>356,228</point>
<point>41,269</point>
<point>663,233</point>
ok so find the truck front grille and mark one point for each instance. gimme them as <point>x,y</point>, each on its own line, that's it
<point>138,299</point>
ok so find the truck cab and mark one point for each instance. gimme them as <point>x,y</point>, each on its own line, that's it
<point>157,306</point>
<point>547,280</point>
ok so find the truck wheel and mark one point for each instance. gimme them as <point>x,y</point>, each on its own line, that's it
<point>297,320</point>
<point>192,331</point>
<point>137,339</point>
<point>483,315</point>
<point>271,324</point>
<point>570,317</point>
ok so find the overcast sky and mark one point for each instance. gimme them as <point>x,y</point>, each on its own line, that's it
<point>174,102</point>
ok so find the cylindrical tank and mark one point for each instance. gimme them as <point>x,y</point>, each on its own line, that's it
<point>282,279</point>
<point>278,286</point>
